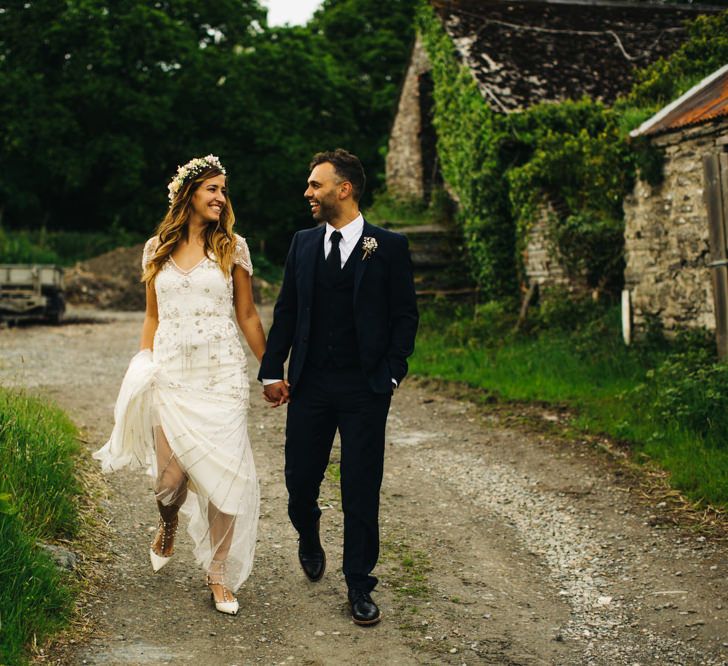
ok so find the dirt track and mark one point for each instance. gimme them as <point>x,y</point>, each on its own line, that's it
<point>499,547</point>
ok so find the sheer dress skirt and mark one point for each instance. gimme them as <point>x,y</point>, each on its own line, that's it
<point>182,414</point>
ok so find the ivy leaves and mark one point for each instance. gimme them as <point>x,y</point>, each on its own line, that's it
<point>574,154</point>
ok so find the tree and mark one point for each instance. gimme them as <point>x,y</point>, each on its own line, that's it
<point>97,102</point>
<point>101,101</point>
<point>372,46</point>
<point>287,99</point>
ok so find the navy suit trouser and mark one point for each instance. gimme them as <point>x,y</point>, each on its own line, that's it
<point>324,400</point>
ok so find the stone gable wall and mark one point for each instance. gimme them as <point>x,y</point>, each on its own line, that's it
<point>404,169</point>
<point>666,236</point>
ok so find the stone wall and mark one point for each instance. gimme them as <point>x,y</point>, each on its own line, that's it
<point>666,236</point>
<point>540,263</point>
<point>404,167</point>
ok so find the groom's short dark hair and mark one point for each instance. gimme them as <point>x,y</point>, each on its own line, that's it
<point>347,167</point>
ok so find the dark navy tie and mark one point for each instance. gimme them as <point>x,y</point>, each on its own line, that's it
<point>333,261</point>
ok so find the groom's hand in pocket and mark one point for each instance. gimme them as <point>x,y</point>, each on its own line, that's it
<point>277,394</point>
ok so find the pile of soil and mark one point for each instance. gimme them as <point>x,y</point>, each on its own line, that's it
<point>110,281</point>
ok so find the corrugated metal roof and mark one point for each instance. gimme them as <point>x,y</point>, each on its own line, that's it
<point>706,101</point>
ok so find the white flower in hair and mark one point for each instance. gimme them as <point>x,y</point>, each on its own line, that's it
<point>192,168</point>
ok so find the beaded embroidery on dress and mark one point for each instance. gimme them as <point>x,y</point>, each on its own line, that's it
<point>182,413</point>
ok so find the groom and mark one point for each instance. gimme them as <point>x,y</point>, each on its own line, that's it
<point>347,314</point>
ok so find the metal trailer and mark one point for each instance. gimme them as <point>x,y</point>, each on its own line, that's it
<point>31,291</point>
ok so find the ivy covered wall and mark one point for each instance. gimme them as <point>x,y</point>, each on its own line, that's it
<point>468,137</point>
<point>575,154</point>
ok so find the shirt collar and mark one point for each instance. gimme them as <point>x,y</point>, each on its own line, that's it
<point>350,231</point>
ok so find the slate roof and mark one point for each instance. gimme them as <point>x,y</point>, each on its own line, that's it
<point>706,101</point>
<point>522,52</point>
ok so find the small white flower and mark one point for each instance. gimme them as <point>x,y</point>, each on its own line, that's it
<point>369,246</point>
<point>192,168</point>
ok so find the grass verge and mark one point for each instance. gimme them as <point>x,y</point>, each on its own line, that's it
<point>389,211</point>
<point>38,450</point>
<point>667,399</point>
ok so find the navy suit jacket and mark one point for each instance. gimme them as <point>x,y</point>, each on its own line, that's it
<point>385,308</point>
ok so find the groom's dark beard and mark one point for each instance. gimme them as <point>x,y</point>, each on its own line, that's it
<point>326,213</point>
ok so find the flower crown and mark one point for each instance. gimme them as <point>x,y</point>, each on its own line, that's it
<point>192,168</point>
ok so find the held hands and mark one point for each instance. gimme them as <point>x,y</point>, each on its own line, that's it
<point>277,394</point>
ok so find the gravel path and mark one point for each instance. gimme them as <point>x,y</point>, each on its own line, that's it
<point>499,546</point>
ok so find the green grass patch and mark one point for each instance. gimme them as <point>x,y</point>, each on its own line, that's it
<point>39,489</point>
<point>64,248</point>
<point>667,399</point>
<point>409,570</point>
<point>333,472</point>
<point>389,211</point>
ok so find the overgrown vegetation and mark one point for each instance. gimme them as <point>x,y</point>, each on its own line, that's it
<point>38,491</point>
<point>468,137</point>
<point>389,211</point>
<point>666,398</point>
<point>575,156</point>
<point>63,248</point>
<point>102,100</point>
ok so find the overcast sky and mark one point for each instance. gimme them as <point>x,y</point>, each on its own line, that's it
<point>295,12</point>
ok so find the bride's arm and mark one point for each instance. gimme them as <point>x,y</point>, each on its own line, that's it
<point>151,319</point>
<point>246,313</point>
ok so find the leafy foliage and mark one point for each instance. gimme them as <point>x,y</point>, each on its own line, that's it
<point>574,155</point>
<point>577,159</point>
<point>100,101</point>
<point>92,93</point>
<point>705,51</point>
<point>469,135</point>
<point>371,46</point>
<point>688,392</point>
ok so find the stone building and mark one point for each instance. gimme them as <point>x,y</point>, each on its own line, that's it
<point>668,277</point>
<point>407,158</point>
<point>523,52</point>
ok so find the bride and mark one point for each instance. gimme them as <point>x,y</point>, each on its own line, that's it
<point>182,407</point>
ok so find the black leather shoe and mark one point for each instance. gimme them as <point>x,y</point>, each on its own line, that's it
<point>311,556</point>
<point>363,609</point>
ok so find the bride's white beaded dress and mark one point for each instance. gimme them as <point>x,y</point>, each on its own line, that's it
<point>183,406</point>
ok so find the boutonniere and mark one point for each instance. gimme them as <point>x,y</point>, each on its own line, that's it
<point>369,246</point>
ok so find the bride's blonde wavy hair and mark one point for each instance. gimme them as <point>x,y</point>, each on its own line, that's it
<point>219,238</point>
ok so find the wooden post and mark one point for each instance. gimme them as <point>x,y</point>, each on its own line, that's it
<point>525,304</point>
<point>626,317</point>
<point>717,239</point>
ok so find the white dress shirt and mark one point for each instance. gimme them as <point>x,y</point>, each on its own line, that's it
<point>351,232</point>
<point>350,235</point>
